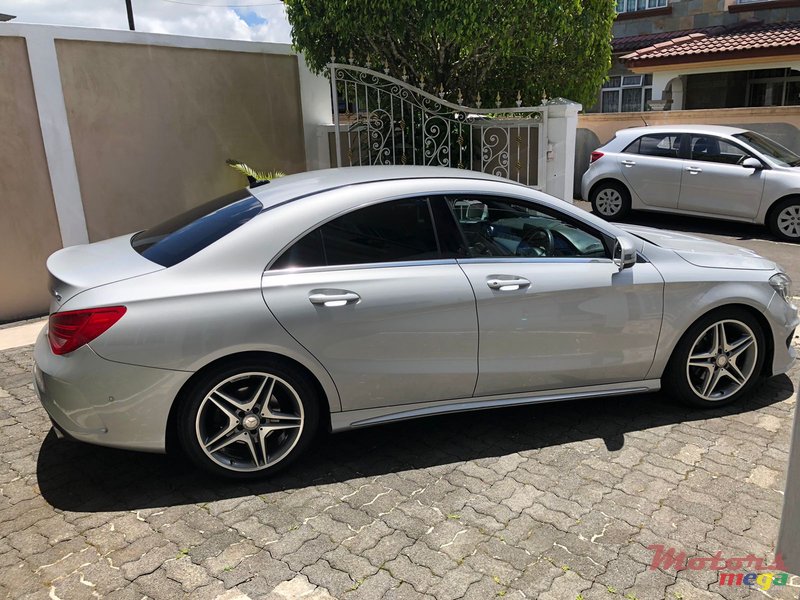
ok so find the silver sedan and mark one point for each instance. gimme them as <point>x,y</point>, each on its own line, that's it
<point>345,298</point>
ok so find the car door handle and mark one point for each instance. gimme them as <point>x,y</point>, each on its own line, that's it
<point>694,170</point>
<point>507,283</point>
<point>629,163</point>
<point>332,298</point>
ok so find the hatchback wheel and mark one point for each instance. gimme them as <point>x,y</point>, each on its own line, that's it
<point>718,360</point>
<point>784,220</point>
<point>611,200</point>
<point>248,420</point>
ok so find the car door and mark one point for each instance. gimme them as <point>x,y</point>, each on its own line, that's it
<point>714,181</point>
<point>554,310</point>
<point>371,295</point>
<point>653,168</point>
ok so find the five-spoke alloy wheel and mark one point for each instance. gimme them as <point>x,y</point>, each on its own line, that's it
<point>718,359</point>
<point>249,419</point>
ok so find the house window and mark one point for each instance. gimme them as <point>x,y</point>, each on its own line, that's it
<point>626,93</point>
<point>634,5</point>
<point>773,87</point>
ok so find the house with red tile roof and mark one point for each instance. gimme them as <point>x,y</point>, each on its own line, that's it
<point>695,54</point>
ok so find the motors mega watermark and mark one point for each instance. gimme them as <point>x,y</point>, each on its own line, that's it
<point>756,573</point>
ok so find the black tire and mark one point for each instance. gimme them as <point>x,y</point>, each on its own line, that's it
<point>291,395</point>
<point>610,200</point>
<point>783,220</point>
<point>684,382</point>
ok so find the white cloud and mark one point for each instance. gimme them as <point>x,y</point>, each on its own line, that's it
<point>201,18</point>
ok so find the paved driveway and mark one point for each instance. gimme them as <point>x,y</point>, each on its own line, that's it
<point>556,501</point>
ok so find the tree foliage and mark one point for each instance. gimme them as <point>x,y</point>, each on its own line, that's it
<point>557,48</point>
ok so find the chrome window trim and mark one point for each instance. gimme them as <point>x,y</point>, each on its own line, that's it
<point>361,266</point>
<point>534,260</point>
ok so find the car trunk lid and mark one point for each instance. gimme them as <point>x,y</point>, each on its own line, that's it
<point>78,268</point>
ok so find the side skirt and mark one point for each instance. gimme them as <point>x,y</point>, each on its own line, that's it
<point>366,417</point>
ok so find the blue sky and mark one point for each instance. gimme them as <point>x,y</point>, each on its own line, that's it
<point>266,22</point>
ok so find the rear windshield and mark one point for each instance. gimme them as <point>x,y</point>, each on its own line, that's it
<point>186,234</point>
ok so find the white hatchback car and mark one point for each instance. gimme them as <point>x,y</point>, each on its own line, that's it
<point>705,171</point>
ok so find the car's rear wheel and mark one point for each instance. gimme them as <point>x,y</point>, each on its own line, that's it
<point>611,200</point>
<point>248,419</point>
<point>718,360</point>
<point>784,220</point>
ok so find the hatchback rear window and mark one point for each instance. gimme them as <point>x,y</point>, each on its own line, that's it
<point>182,236</point>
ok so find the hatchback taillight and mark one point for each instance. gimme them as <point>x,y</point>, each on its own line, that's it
<point>69,330</point>
<point>596,156</point>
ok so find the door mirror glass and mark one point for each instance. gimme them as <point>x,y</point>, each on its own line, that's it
<point>752,163</point>
<point>624,253</point>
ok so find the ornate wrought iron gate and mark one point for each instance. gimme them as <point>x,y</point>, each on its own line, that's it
<point>381,120</point>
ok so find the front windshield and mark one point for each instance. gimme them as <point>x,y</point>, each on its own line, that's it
<point>783,156</point>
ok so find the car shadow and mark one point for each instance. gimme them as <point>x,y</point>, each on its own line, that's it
<point>687,224</point>
<point>79,477</point>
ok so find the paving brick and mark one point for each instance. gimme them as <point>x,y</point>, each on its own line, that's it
<point>496,509</point>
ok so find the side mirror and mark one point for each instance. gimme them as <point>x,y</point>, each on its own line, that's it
<point>624,253</point>
<point>752,163</point>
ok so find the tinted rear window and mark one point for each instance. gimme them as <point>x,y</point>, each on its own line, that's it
<point>186,234</point>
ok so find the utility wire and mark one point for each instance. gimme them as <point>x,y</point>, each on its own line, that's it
<point>223,5</point>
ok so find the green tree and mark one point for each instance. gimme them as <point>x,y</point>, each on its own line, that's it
<point>558,48</point>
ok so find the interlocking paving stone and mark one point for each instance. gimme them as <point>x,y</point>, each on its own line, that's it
<point>551,501</point>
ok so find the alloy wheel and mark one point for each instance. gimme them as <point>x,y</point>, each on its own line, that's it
<point>250,421</point>
<point>788,221</point>
<point>609,202</point>
<point>722,360</point>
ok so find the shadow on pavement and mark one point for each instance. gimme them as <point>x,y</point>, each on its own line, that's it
<point>687,224</point>
<point>83,478</point>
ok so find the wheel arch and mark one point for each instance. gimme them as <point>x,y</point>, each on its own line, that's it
<point>763,323</point>
<point>606,179</point>
<point>171,437</point>
<point>774,205</point>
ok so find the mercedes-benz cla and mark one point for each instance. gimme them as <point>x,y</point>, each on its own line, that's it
<point>338,299</point>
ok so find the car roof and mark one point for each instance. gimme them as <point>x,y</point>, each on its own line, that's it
<point>706,129</point>
<point>293,187</point>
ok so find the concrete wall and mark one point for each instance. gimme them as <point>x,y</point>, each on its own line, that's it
<point>174,114</point>
<point>781,123</point>
<point>108,132</point>
<point>28,224</point>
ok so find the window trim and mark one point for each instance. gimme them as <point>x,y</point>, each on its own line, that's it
<point>681,147</point>
<point>426,196</point>
<point>657,4</point>
<point>689,158</point>
<point>642,85</point>
<point>606,239</point>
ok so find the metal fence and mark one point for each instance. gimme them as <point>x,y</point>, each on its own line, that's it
<point>382,120</point>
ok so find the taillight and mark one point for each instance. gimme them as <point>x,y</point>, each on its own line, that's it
<point>69,330</point>
<point>596,156</point>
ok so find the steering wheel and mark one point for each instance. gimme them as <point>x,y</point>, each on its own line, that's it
<point>536,242</point>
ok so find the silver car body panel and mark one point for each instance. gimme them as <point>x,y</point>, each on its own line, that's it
<point>579,322</point>
<point>704,189</point>
<point>387,414</point>
<point>220,302</point>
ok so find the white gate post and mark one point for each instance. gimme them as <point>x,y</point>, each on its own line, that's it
<point>562,126</point>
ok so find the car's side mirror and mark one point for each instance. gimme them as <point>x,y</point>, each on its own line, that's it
<point>624,253</point>
<point>752,163</point>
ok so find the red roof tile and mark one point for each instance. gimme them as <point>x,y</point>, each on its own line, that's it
<point>777,38</point>
<point>635,42</point>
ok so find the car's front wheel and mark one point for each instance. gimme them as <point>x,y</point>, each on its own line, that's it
<point>248,419</point>
<point>784,220</point>
<point>610,200</point>
<point>718,360</point>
